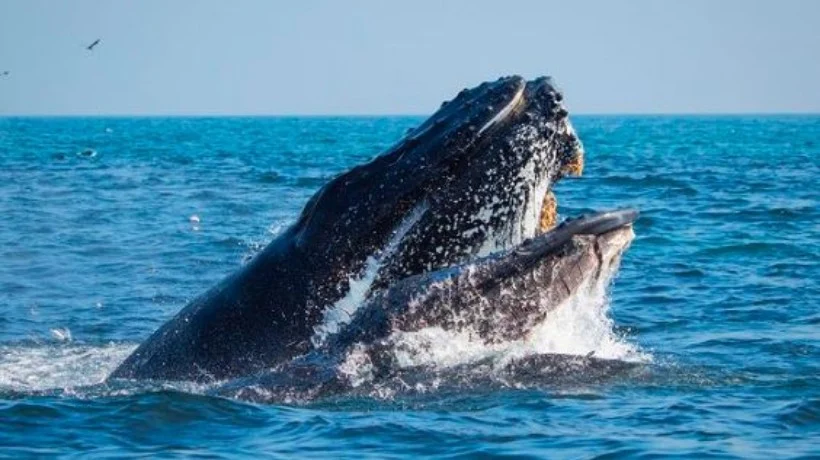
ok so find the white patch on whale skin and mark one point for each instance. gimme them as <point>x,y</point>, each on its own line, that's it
<point>357,367</point>
<point>522,218</point>
<point>502,114</point>
<point>341,312</point>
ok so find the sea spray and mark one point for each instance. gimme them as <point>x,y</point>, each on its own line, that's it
<point>579,326</point>
<point>44,367</point>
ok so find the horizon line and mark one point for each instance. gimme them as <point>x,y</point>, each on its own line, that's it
<point>378,115</point>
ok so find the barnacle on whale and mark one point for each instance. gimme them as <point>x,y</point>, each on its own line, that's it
<point>575,166</point>
<point>549,213</point>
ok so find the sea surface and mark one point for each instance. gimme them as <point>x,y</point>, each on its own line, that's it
<point>108,226</point>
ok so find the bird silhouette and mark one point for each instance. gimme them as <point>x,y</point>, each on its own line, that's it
<point>91,46</point>
<point>6,72</point>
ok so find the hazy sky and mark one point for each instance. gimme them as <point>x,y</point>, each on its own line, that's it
<point>362,57</point>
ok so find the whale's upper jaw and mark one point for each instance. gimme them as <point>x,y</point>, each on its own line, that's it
<point>425,160</point>
<point>492,155</point>
<point>368,202</point>
<point>545,99</point>
<point>491,106</point>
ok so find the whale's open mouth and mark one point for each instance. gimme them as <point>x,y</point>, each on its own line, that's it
<point>498,221</point>
<point>473,180</point>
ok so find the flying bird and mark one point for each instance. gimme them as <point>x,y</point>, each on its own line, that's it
<point>6,72</point>
<point>91,46</point>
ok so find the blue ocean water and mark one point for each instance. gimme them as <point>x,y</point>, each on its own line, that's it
<point>109,225</point>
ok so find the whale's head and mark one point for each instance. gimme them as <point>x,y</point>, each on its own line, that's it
<point>474,177</point>
<point>501,195</point>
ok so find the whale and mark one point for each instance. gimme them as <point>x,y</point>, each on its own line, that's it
<point>473,179</point>
<point>495,299</point>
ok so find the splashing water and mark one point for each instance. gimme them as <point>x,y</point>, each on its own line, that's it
<point>47,367</point>
<point>579,326</point>
<point>528,216</point>
<point>357,367</point>
<point>255,245</point>
<point>62,334</point>
<point>582,326</point>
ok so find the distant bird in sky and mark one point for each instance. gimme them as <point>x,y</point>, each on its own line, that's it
<point>6,72</point>
<point>91,46</point>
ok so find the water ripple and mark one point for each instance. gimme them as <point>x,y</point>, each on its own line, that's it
<point>721,286</point>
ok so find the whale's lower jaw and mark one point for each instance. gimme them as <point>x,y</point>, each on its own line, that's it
<point>498,300</point>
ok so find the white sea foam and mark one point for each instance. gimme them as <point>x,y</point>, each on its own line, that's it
<point>44,367</point>
<point>256,245</point>
<point>61,334</point>
<point>357,367</point>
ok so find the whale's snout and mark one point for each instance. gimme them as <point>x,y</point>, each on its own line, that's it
<point>602,222</point>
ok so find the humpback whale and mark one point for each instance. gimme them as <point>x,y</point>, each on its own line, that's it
<point>472,180</point>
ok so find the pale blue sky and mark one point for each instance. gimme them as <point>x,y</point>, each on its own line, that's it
<point>374,57</point>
